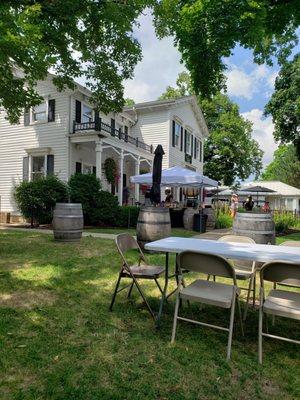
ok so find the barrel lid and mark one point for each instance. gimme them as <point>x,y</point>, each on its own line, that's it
<point>68,205</point>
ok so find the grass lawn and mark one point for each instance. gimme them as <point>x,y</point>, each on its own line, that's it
<point>59,341</point>
<point>181,232</point>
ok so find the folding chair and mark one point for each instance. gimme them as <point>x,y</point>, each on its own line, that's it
<point>278,302</point>
<point>124,243</point>
<point>208,292</point>
<point>244,270</point>
<point>290,243</point>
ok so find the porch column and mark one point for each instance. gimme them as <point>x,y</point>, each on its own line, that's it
<point>99,150</point>
<point>121,169</point>
<point>137,186</point>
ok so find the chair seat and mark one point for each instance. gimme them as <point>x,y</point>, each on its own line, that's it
<point>209,292</point>
<point>283,303</point>
<point>145,271</point>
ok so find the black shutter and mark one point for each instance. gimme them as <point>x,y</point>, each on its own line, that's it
<point>26,117</point>
<point>25,169</point>
<point>97,121</point>
<point>195,148</point>
<point>173,133</point>
<point>201,150</point>
<point>185,137</point>
<point>113,126</point>
<point>78,112</point>
<point>51,110</point>
<point>181,139</point>
<point>94,170</point>
<point>50,164</point>
<point>78,168</point>
<point>126,133</point>
<point>192,145</point>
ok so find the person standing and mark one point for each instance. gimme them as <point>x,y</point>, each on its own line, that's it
<point>234,205</point>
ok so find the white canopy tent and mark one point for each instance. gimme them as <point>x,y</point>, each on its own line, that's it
<point>176,177</point>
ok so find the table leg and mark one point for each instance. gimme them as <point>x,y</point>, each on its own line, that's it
<point>164,294</point>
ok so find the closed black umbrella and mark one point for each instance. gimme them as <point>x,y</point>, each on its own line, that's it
<point>156,175</point>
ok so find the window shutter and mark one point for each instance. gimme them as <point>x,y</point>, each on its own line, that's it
<point>181,139</point>
<point>192,145</point>
<point>200,152</point>
<point>78,168</point>
<point>97,121</point>
<point>185,137</point>
<point>78,112</point>
<point>26,117</point>
<point>113,126</point>
<point>195,148</point>
<point>51,110</point>
<point>25,169</point>
<point>50,164</point>
<point>173,133</point>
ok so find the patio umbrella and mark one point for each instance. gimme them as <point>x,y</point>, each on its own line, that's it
<point>257,189</point>
<point>156,175</point>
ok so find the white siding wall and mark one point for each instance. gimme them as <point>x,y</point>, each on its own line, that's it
<point>16,138</point>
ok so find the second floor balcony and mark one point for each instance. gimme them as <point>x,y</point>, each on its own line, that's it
<point>100,126</point>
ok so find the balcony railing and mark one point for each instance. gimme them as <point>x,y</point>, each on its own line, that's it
<point>102,126</point>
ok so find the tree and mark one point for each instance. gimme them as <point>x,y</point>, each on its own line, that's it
<point>87,38</point>
<point>284,105</point>
<point>285,167</point>
<point>206,31</point>
<point>129,102</point>
<point>230,153</point>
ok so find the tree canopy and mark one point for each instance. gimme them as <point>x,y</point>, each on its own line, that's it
<point>284,105</point>
<point>87,38</point>
<point>206,32</point>
<point>285,167</point>
<point>230,152</point>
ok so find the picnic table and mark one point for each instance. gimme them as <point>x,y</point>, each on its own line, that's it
<point>244,251</point>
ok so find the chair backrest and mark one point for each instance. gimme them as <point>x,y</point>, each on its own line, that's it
<point>291,243</point>
<point>126,242</point>
<point>239,239</point>
<point>281,272</point>
<point>206,263</point>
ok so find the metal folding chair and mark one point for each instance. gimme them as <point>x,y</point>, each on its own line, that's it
<point>208,292</point>
<point>280,303</point>
<point>141,270</point>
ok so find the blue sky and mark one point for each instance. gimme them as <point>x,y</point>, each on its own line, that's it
<point>248,84</point>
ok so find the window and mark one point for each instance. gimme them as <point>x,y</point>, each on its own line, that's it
<point>188,139</point>
<point>87,113</point>
<point>289,204</point>
<point>197,149</point>
<point>39,113</point>
<point>177,133</point>
<point>38,167</point>
<point>87,169</point>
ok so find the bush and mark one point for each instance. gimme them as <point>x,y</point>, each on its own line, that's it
<point>284,221</point>
<point>223,220</point>
<point>127,216</point>
<point>85,189</point>
<point>36,199</point>
<point>106,211</point>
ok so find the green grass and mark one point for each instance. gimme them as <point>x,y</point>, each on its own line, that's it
<point>59,341</point>
<point>292,236</point>
<point>174,232</point>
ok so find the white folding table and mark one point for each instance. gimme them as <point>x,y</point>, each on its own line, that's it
<point>244,251</point>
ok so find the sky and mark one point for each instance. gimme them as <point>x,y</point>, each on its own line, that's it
<point>248,84</point>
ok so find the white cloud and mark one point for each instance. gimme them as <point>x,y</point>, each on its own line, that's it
<point>262,132</point>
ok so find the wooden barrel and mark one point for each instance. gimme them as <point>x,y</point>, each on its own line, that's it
<point>153,224</point>
<point>259,226</point>
<point>67,222</point>
<point>211,218</point>
<point>188,218</point>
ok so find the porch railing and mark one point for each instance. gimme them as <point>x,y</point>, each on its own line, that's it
<point>102,126</point>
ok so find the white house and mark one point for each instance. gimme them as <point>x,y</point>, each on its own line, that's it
<point>65,135</point>
<point>283,197</point>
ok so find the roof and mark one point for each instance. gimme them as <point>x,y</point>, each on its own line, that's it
<point>156,104</point>
<point>280,188</point>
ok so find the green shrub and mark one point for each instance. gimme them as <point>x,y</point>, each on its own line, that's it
<point>85,189</point>
<point>127,216</point>
<point>285,220</point>
<point>36,199</point>
<point>106,211</point>
<point>223,220</point>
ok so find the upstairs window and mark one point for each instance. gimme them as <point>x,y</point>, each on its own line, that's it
<point>177,131</point>
<point>39,113</point>
<point>87,113</point>
<point>188,143</point>
<point>197,149</point>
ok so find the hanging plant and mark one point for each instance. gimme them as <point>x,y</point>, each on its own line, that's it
<point>111,171</point>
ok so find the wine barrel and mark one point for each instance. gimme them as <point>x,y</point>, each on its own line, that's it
<point>211,218</point>
<point>67,222</point>
<point>153,224</point>
<point>259,226</point>
<point>188,218</point>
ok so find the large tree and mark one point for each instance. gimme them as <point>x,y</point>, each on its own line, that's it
<point>285,167</point>
<point>88,38</point>
<point>230,153</point>
<point>284,105</point>
<point>206,32</point>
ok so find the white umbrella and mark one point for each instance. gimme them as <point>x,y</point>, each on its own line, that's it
<point>176,176</point>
